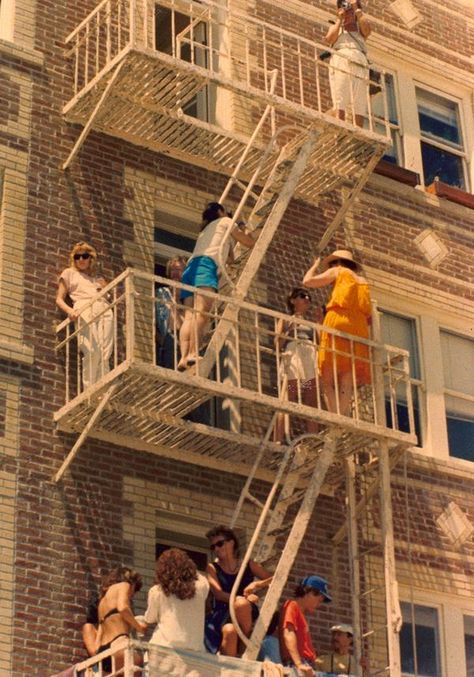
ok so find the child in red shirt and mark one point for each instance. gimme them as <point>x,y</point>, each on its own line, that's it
<point>295,640</point>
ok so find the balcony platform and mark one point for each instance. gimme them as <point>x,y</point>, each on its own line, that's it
<point>140,94</point>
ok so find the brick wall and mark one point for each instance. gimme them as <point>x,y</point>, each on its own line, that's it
<point>60,538</point>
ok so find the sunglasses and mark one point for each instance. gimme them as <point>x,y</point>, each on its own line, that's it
<point>218,544</point>
<point>85,256</point>
<point>302,295</point>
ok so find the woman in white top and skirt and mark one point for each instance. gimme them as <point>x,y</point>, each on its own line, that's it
<point>177,603</point>
<point>202,270</point>
<point>349,67</point>
<point>81,283</point>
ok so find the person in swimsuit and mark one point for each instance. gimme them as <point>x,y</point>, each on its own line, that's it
<point>220,634</point>
<point>202,271</point>
<point>297,345</point>
<point>343,364</point>
<point>116,618</point>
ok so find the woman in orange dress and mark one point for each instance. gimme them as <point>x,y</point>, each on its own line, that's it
<point>348,310</point>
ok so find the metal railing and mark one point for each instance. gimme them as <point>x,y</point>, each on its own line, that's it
<point>228,47</point>
<point>134,658</point>
<point>252,364</point>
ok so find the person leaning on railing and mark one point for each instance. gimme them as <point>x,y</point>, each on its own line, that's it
<point>202,271</point>
<point>348,310</point>
<point>81,283</point>
<point>349,67</point>
<point>296,343</point>
<point>169,317</point>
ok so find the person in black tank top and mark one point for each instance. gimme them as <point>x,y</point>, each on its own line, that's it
<point>220,633</point>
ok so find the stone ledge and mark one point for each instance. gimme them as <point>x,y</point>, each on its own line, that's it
<point>16,352</point>
<point>26,54</point>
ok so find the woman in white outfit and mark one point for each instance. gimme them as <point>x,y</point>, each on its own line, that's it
<point>298,350</point>
<point>177,602</point>
<point>81,283</point>
<point>349,67</point>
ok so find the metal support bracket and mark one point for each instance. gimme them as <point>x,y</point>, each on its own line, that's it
<point>88,126</point>
<point>82,437</point>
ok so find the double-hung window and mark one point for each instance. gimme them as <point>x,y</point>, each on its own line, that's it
<point>401,332</point>
<point>442,147</point>
<point>458,371</point>
<point>389,110</point>
<point>419,641</point>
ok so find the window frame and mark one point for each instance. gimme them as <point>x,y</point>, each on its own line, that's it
<point>418,383</point>
<point>436,143</point>
<point>451,611</point>
<point>466,397</point>
<point>439,613</point>
<point>407,77</point>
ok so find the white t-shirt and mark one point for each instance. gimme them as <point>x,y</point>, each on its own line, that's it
<point>80,286</point>
<point>209,240</point>
<point>180,622</point>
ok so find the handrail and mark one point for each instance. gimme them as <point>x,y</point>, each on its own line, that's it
<point>85,21</point>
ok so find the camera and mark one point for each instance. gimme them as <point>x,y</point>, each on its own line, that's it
<point>344,4</point>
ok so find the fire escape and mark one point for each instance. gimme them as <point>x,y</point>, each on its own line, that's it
<point>164,75</point>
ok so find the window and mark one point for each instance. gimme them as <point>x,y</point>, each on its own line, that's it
<point>442,150</point>
<point>469,644</point>
<point>394,154</point>
<point>179,531</point>
<point>419,641</point>
<point>458,371</point>
<point>400,332</point>
<point>171,25</point>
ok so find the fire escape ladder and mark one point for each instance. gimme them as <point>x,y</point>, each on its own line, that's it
<point>313,453</point>
<point>271,206</point>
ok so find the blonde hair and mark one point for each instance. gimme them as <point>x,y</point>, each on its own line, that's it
<point>176,259</point>
<point>83,247</point>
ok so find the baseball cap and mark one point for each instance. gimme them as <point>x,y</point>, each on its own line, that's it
<point>319,584</point>
<point>343,627</point>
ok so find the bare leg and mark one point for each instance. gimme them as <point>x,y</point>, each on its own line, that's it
<point>243,613</point>
<point>292,395</point>
<point>202,306</point>
<point>309,398</point>
<point>229,640</point>
<point>185,331</point>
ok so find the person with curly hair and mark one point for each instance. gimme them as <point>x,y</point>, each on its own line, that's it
<point>177,602</point>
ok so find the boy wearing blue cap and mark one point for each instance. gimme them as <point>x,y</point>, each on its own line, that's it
<point>295,640</point>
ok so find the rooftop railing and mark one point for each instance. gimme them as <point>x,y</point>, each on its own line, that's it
<point>250,365</point>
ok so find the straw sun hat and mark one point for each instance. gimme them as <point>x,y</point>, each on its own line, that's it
<point>344,254</point>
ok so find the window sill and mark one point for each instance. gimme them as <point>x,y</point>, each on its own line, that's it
<point>451,193</point>
<point>26,54</point>
<point>406,176</point>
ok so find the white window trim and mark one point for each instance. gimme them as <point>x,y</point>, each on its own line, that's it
<point>432,407</point>
<point>451,611</point>
<point>7,20</point>
<point>409,76</point>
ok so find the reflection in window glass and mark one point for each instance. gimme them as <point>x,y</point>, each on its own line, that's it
<point>442,165</point>
<point>419,641</point>
<point>469,644</point>
<point>439,118</point>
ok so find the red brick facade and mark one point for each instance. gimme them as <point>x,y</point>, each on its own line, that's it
<point>66,535</point>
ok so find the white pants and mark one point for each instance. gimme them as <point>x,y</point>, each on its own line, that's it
<point>348,80</point>
<point>95,340</point>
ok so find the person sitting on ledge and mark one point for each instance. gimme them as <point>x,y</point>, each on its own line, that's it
<point>296,646</point>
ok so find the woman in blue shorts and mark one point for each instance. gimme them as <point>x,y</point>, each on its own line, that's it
<point>202,271</point>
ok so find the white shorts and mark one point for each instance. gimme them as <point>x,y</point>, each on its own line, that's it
<point>348,80</point>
